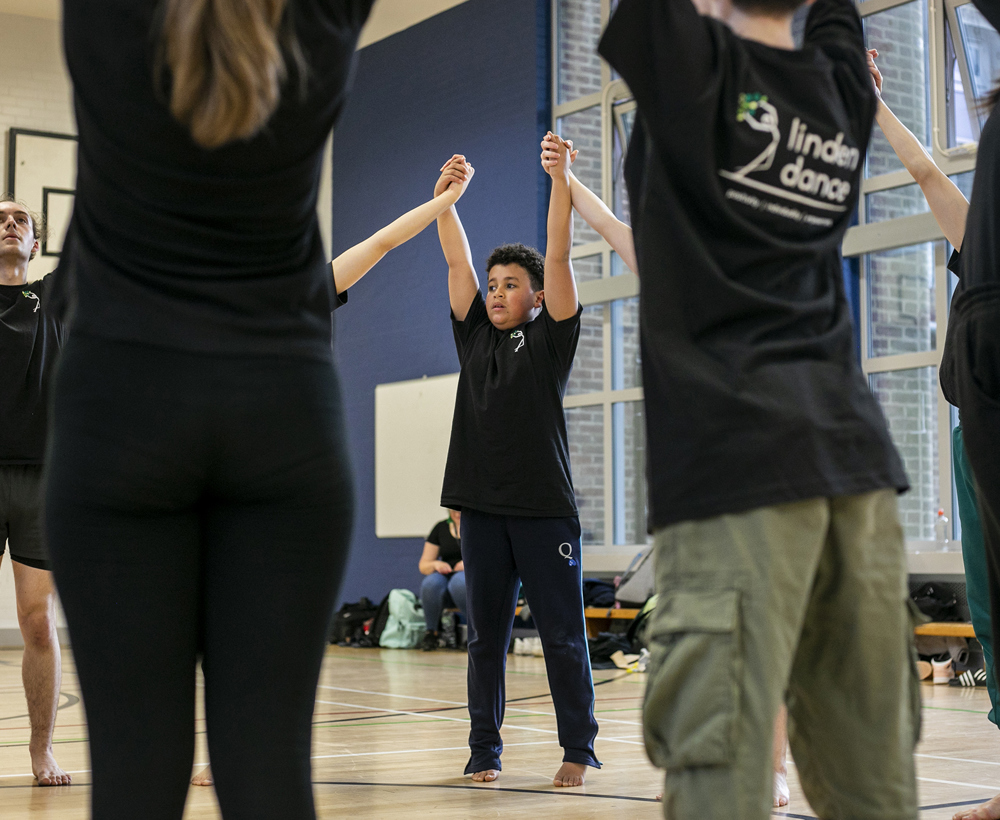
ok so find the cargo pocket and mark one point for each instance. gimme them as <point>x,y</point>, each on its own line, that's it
<point>916,618</point>
<point>692,697</point>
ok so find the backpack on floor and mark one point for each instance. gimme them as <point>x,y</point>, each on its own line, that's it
<point>636,634</point>
<point>347,626</point>
<point>405,625</point>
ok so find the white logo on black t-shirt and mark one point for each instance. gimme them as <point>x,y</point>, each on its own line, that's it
<point>518,334</point>
<point>817,187</point>
<point>27,294</point>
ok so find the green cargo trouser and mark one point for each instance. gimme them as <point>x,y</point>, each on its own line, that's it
<point>977,587</point>
<point>804,601</point>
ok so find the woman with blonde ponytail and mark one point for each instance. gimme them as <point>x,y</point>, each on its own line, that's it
<point>198,501</point>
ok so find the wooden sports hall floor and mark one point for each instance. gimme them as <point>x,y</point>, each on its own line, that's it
<point>385,747</point>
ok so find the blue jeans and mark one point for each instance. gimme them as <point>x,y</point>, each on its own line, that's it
<point>438,591</point>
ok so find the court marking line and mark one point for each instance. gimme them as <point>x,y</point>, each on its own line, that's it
<point>487,787</point>
<point>456,703</point>
<point>990,789</point>
<point>960,759</point>
<point>461,720</point>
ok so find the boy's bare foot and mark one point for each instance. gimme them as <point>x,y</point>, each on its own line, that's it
<point>990,810</point>
<point>781,793</point>
<point>203,778</point>
<point>47,771</point>
<point>570,774</point>
<point>486,777</point>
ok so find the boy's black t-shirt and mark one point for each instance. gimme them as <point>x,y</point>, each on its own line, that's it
<point>30,339</point>
<point>179,246</point>
<point>509,453</point>
<point>743,173</point>
<point>449,547</point>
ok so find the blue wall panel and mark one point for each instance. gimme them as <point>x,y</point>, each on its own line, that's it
<point>472,80</point>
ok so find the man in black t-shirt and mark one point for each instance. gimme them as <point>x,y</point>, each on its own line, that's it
<point>772,476</point>
<point>508,472</point>
<point>29,345</point>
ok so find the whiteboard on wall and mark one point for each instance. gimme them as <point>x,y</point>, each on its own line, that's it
<point>412,431</point>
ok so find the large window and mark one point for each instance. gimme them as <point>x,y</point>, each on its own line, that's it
<point>938,59</point>
<point>604,413</point>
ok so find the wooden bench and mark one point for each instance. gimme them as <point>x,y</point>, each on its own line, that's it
<point>946,629</point>
<point>599,619</point>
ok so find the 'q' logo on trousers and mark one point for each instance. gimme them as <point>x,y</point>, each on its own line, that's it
<point>566,551</point>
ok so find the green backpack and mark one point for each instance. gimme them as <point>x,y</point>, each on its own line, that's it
<point>405,625</point>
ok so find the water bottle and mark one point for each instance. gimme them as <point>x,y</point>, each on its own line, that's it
<point>941,530</point>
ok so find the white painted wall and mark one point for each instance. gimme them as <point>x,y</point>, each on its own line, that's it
<point>35,93</point>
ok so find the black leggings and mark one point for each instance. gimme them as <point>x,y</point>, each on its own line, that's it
<point>197,506</point>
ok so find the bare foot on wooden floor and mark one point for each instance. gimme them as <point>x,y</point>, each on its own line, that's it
<point>203,778</point>
<point>990,810</point>
<point>47,771</point>
<point>487,776</point>
<point>781,793</point>
<point>570,774</point>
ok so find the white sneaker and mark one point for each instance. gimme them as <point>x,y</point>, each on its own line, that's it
<point>942,671</point>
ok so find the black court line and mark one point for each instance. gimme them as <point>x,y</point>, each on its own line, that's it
<point>487,787</point>
<point>71,700</point>
<point>951,805</point>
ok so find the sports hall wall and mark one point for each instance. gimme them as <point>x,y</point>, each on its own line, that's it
<point>471,80</point>
<point>35,94</point>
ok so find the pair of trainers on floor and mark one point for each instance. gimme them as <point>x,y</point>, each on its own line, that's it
<point>943,670</point>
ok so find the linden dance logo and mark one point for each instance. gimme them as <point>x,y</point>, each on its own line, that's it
<point>518,334</point>
<point>819,188</point>
<point>27,294</point>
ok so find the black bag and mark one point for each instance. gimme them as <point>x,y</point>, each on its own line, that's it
<point>603,647</point>
<point>348,623</point>
<point>636,634</point>
<point>598,593</point>
<point>936,603</point>
<point>378,623</point>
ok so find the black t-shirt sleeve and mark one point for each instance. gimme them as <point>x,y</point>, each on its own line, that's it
<point>563,336</point>
<point>348,13</point>
<point>435,536</point>
<point>833,26</point>
<point>474,319</point>
<point>667,53</point>
<point>954,263</point>
<point>990,9</point>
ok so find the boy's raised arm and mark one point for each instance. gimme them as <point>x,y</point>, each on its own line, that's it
<point>561,298</point>
<point>463,284</point>
<point>946,201</point>
<point>592,208</point>
<point>355,262</point>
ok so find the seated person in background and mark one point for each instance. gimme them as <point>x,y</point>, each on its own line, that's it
<point>445,581</point>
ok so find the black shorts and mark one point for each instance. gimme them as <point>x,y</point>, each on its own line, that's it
<point>21,514</point>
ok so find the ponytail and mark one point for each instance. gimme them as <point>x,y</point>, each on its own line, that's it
<point>226,64</point>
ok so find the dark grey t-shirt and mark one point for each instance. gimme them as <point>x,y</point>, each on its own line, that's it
<point>509,453</point>
<point>743,173</point>
<point>30,339</point>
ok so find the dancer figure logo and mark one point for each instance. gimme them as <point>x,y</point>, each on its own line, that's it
<point>566,551</point>
<point>518,334</point>
<point>27,294</point>
<point>760,115</point>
